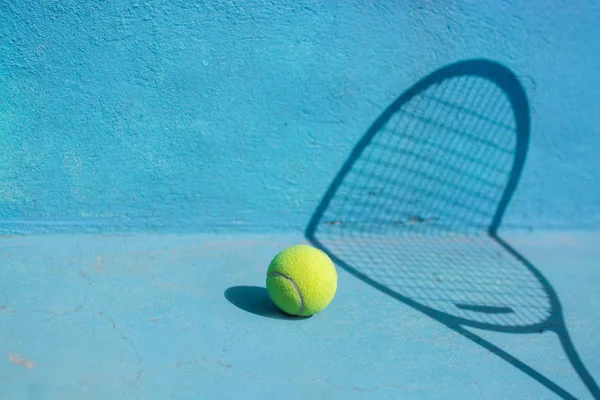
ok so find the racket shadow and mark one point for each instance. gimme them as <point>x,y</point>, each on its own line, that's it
<point>415,210</point>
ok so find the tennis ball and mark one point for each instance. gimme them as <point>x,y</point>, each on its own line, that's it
<point>301,280</point>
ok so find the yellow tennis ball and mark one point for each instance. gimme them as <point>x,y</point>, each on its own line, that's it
<point>301,280</point>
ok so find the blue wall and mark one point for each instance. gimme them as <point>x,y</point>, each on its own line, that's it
<point>236,115</point>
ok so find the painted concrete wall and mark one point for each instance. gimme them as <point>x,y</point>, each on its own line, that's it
<point>236,115</point>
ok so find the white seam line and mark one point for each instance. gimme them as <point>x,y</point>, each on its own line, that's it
<point>295,288</point>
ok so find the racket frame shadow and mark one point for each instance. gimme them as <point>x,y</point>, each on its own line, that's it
<point>507,81</point>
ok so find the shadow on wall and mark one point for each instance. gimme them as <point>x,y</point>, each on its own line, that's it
<point>415,210</point>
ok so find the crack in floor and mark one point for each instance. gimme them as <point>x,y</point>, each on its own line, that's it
<point>128,340</point>
<point>83,302</point>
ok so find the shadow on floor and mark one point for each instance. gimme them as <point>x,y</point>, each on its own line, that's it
<point>255,300</point>
<point>415,210</point>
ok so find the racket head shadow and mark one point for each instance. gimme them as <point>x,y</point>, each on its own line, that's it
<point>415,208</point>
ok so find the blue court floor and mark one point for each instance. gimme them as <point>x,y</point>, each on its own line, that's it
<point>187,317</point>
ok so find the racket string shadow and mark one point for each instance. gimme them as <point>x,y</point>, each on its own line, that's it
<point>415,210</point>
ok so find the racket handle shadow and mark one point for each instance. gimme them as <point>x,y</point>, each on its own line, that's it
<point>576,362</point>
<point>559,325</point>
<point>515,362</point>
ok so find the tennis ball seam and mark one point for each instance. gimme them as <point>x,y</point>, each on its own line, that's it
<point>296,288</point>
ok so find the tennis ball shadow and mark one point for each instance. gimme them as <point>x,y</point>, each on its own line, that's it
<point>256,300</point>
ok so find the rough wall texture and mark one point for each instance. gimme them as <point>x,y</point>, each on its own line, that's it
<point>236,115</point>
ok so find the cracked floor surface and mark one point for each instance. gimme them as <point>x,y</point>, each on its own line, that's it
<point>186,316</point>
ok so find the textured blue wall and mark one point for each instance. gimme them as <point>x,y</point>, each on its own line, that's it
<point>236,115</point>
